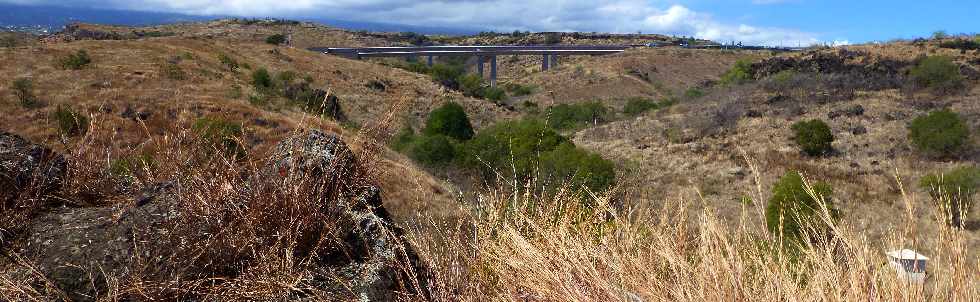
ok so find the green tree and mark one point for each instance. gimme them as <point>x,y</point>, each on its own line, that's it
<point>450,120</point>
<point>511,144</point>
<point>261,79</point>
<point>940,133</point>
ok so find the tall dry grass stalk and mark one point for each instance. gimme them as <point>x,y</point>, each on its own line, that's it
<point>578,247</point>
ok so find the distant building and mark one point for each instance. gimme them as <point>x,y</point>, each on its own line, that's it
<point>909,265</point>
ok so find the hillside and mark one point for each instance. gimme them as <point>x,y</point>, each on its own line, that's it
<point>197,162</point>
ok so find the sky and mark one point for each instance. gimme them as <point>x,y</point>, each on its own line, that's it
<point>752,22</point>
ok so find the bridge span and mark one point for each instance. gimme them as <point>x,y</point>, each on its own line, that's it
<point>483,53</point>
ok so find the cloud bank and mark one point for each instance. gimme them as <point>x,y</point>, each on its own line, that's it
<point>618,16</point>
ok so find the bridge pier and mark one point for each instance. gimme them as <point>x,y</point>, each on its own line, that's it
<point>430,61</point>
<point>479,65</point>
<point>554,60</point>
<point>544,63</point>
<point>493,71</point>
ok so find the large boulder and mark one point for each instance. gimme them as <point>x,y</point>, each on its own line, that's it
<point>383,265</point>
<point>27,170</point>
<point>82,250</point>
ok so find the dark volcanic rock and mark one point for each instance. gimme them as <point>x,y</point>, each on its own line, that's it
<point>82,250</point>
<point>27,168</point>
<point>856,110</point>
<point>376,272</point>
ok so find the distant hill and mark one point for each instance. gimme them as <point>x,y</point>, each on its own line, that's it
<point>48,19</point>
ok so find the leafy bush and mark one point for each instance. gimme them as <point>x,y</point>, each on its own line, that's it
<point>510,147</point>
<point>221,133</point>
<point>940,133</point>
<point>493,94</point>
<point>447,74</point>
<point>450,120</point>
<point>471,85</point>
<point>70,122</point>
<point>693,93</point>
<point>937,72</point>
<point>261,79</point>
<point>403,139</point>
<point>791,210</point>
<point>432,150</point>
<point>75,61</point>
<point>739,74</point>
<point>276,39</point>
<point>813,137</point>
<point>228,62</point>
<point>953,191</point>
<point>567,116</point>
<point>577,167</point>
<point>638,105</point>
<point>23,89</point>
<point>518,89</point>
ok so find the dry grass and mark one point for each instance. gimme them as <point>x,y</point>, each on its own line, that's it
<point>521,247</point>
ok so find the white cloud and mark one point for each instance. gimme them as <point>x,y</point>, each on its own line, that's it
<point>619,16</point>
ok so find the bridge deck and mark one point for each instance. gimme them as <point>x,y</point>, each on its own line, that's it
<point>488,50</point>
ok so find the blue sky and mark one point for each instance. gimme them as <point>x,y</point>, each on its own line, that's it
<point>767,22</point>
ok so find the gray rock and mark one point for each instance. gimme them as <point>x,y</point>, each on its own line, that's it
<point>27,168</point>
<point>381,253</point>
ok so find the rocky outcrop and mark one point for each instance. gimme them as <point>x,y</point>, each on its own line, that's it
<point>80,250</point>
<point>384,262</point>
<point>27,168</point>
<point>858,69</point>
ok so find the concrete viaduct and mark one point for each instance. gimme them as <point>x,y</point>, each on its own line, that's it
<point>549,53</point>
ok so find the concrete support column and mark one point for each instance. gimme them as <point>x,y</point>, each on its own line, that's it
<point>544,63</point>
<point>493,71</point>
<point>554,60</point>
<point>479,65</point>
<point>430,61</point>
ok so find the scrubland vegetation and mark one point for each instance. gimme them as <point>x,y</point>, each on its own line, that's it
<point>551,203</point>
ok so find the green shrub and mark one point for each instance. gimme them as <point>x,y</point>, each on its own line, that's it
<point>75,61</point>
<point>813,137</point>
<point>447,74</point>
<point>693,93</point>
<point>228,62</point>
<point>403,139</point>
<point>566,116</point>
<point>471,85</point>
<point>432,150</point>
<point>937,72</point>
<point>940,133</point>
<point>70,122</point>
<point>953,191</point>
<point>276,39</point>
<point>450,120</point>
<point>962,44</point>
<point>494,94</point>
<point>221,133</point>
<point>791,210</point>
<point>261,79</point>
<point>510,147</point>
<point>638,105</point>
<point>518,89</point>
<point>739,74</point>
<point>575,167</point>
<point>23,89</point>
